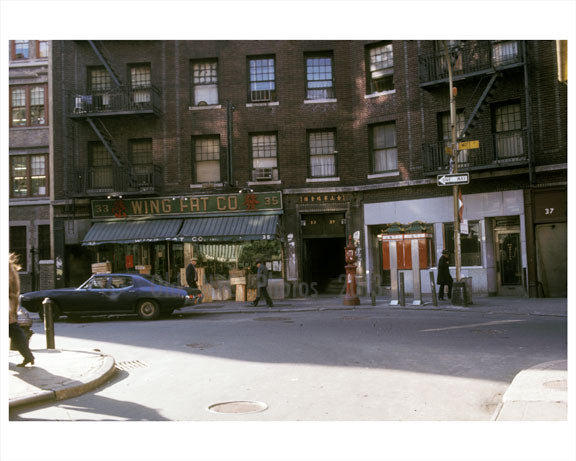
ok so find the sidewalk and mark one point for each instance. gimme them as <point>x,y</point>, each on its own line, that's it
<point>539,393</point>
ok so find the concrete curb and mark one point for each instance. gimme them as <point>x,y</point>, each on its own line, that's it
<point>536,394</point>
<point>80,386</point>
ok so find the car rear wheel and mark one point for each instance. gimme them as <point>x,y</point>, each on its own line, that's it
<point>148,309</point>
<point>56,312</point>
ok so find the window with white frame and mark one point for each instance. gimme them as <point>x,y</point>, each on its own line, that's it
<point>322,153</point>
<point>380,60</point>
<point>319,77</point>
<point>207,158</point>
<point>262,79</point>
<point>264,157</point>
<point>508,131</point>
<point>205,83</point>
<point>384,147</point>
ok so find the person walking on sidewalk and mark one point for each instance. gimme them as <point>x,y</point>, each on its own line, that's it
<point>17,336</point>
<point>444,277</point>
<point>191,274</point>
<point>262,284</point>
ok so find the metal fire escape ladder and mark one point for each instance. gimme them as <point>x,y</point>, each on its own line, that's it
<point>105,63</point>
<point>478,108</point>
<point>104,136</point>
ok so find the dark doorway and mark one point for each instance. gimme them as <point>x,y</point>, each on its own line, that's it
<point>324,264</point>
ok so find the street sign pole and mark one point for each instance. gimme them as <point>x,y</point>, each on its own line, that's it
<point>454,159</point>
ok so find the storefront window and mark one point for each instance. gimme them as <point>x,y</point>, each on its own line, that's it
<point>469,244</point>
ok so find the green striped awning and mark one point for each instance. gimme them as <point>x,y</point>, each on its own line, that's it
<point>153,230</point>
<point>229,228</point>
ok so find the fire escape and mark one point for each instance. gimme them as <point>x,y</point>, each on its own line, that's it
<point>99,106</point>
<point>483,66</point>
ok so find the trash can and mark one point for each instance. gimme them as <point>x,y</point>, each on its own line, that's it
<point>462,292</point>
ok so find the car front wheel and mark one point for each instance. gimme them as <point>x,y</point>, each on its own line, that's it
<point>56,312</point>
<point>148,309</point>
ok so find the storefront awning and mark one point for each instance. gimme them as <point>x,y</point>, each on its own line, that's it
<point>154,230</point>
<point>229,228</point>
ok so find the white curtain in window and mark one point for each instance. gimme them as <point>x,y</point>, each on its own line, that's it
<point>323,165</point>
<point>385,151</point>
<point>206,94</point>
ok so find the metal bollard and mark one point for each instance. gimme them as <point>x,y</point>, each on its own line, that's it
<point>48,323</point>
<point>401,294</point>
<point>433,289</point>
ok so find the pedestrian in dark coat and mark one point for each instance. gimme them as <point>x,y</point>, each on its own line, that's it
<point>262,284</point>
<point>444,277</point>
<point>191,274</point>
<point>17,336</point>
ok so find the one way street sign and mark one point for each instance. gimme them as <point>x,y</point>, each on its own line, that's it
<point>453,179</point>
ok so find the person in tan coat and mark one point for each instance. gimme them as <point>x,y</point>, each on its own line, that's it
<point>17,336</point>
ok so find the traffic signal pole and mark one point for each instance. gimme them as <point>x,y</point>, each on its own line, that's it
<point>453,92</point>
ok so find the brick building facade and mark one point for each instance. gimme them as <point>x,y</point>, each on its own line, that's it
<point>349,134</point>
<point>29,162</point>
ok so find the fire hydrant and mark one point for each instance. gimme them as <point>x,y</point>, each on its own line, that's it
<point>351,298</point>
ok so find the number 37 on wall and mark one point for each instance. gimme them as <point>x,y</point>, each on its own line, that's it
<point>548,210</point>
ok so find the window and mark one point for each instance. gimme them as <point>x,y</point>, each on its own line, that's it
<point>28,176</point>
<point>41,48</point>
<point>20,49</point>
<point>205,83</point>
<point>141,159</point>
<point>381,68</point>
<point>18,245</point>
<point>99,85</point>
<point>508,128</point>
<point>207,158</point>
<point>446,133</point>
<point>140,80</point>
<point>101,169</point>
<point>321,145</point>
<point>262,79</point>
<point>504,53</point>
<point>28,105</point>
<point>44,242</point>
<point>384,148</point>
<point>319,77</point>
<point>471,254</point>
<point>264,157</point>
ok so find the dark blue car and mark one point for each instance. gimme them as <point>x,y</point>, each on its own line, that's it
<point>148,296</point>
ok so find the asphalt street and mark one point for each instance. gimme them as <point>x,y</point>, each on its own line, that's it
<point>365,365</point>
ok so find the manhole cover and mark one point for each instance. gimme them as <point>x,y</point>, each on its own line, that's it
<point>241,406</point>
<point>559,385</point>
<point>130,365</point>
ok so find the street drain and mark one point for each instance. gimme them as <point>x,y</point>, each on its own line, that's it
<point>130,365</point>
<point>238,407</point>
<point>559,385</point>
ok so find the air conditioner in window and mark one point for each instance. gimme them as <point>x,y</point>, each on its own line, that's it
<point>261,95</point>
<point>264,174</point>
